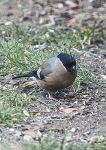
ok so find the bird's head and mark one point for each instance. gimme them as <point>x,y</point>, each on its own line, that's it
<point>68,61</point>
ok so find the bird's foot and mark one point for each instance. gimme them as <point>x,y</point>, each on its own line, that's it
<point>51,97</point>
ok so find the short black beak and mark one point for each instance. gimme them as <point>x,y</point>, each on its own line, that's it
<point>73,68</point>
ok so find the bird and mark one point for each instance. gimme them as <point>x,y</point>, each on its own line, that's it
<point>57,73</point>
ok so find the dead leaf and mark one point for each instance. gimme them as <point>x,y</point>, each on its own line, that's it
<point>83,28</point>
<point>38,112</point>
<point>28,83</point>
<point>68,110</point>
<point>72,22</point>
<point>72,4</point>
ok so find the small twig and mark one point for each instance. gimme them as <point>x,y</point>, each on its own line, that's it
<point>42,102</point>
<point>56,119</point>
<point>78,57</point>
<point>47,105</point>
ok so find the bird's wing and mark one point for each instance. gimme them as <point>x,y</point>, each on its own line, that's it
<point>48,67</point>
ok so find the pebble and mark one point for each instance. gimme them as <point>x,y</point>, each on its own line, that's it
<point>68,138</point>
<point>8,23</point>
<point>28,138</point>
<point>11,129</point>
<point>60,5</point>
<point>96,139</point>
<point>18,133</point>
<point>73,129</point>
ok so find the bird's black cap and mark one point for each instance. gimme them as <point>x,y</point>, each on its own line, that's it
<point>67,60</point>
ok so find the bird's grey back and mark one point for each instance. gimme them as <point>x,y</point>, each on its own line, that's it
<point>49,66</point>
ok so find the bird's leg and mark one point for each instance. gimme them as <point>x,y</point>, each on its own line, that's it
<point>75,91</point>
<point>51,97</point>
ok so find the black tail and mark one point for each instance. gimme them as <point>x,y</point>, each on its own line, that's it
<point>29,74</point>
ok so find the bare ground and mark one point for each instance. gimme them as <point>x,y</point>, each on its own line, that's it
<point>48,117</point>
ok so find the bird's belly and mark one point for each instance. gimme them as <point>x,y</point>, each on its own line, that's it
<point>55,84</point>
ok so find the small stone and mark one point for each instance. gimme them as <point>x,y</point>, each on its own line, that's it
<point>103,77</point>
<point>28,138</point>
<point>40,46</point>
<point>96,139</point>
<point>51,30</point>
<point>47,35</point>
<point>3,32</point>
<point>19,6</point>
<point>68,138</point>
<point>11,129</point>
<point>34,134</point>
<point>59,5</point>
<point>76,102</point>
<point>38,134</point>
<point>8,23</point>
<point>26,113</point>
<point>18,133</point>
<point>73,129</point>
<point>71,4</point>
<point>103,99</point>
<point>83,107</point>
<point>43,13</point>
<point>87,133</point>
